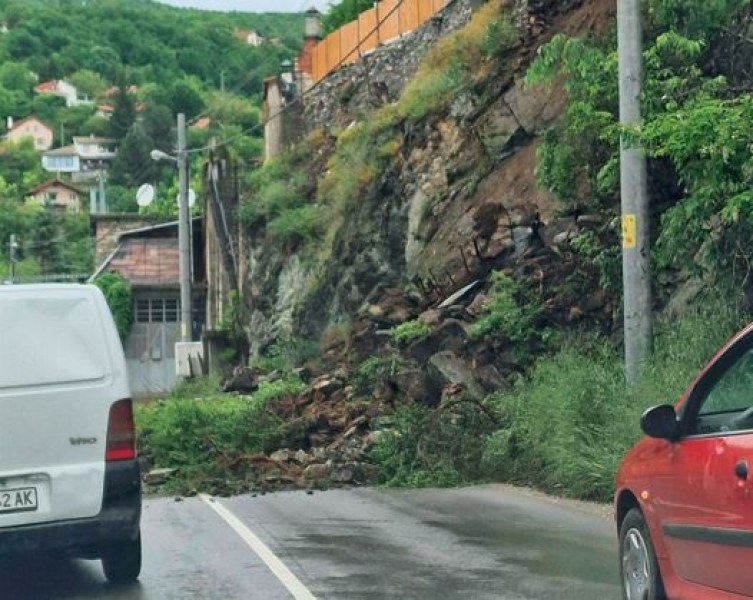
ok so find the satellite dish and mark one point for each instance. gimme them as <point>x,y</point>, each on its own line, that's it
<point>191,198</point>
<point>145,195</point>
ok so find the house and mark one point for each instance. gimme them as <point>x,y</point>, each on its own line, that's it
<point>57,194</point>
<point>85,159</point>
<point>31,127</point>
<point>250,37</point>
<point>202,123</point>
<point>62,160</point>
<point>148,258</point>
<point>105,110</point>
<point>62,89</point>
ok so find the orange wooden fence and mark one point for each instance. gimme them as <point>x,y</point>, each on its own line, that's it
<point>389,19</point>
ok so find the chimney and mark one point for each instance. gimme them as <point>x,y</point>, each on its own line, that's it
<point>313,24</point>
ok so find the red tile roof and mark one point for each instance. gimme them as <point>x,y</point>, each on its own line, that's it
<point>18,124</point>
<point>202,123</point>
<point>54,182</point>
<point>47,86</point>
<point>147,261</point>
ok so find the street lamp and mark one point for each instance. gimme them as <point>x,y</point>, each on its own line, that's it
<point>184,228</point>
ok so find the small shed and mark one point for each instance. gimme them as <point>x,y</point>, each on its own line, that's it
<point>148,258</point>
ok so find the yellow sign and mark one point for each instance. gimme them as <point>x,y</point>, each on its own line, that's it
<point>629,235</point>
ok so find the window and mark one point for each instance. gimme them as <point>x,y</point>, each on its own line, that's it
<point>171,311</point>
<point>157,310</point>
<point>726,405</point>
<point>734,391</point>
<point>142,311</point>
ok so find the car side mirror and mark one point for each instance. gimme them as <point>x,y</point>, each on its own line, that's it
<point>660,422</point>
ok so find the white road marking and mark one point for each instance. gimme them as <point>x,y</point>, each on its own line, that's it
<point>286,577</point>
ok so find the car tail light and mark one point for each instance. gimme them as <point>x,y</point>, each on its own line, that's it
<point>121,433</point>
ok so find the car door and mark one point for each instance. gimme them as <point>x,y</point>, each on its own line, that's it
<point>57,376</point>
<point>705,502</point>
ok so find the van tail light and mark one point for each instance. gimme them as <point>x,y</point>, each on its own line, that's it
<point>121,433</point>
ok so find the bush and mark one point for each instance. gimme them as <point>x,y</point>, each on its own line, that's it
<point>410,331</point>
<point>458,60</point>
<point>372,370</point>
<point>285,354</point>
<point>569,426</point>
<point>508,311</point>
<point>208,436</point>
<point>442,447</point>
<point>117,292</point>
<point>297,225</point>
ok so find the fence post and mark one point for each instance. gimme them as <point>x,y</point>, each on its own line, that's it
<point>378,25</point>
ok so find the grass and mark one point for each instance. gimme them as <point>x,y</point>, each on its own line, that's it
<point>209,436</point>
<point>409,332</point>
<point>458,60</point>
<point>567,428</point>
<point>564,429</point>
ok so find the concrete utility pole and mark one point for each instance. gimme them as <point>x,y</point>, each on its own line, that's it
<point>636,274</point>
<point>184,231</point>
<point>13,260</point>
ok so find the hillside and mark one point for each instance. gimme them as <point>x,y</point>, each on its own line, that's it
<point>433,294</point>
<point>135,65</point>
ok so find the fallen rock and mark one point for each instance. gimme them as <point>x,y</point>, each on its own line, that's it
<point>158,476</point>
<point>242,380</point>
<point>446,368</point>
<point>316,471</point>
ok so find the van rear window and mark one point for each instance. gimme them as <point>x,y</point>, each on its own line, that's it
<point>50,340</point>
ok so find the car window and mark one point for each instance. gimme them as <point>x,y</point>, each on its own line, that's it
<point>727,399</point>
<point>734,391</point>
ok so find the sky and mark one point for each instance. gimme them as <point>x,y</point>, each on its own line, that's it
<point>251,5</point>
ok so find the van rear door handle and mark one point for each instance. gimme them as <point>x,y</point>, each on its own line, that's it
<point>741,469</point>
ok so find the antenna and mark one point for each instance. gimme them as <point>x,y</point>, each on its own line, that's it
<point>145,195</point>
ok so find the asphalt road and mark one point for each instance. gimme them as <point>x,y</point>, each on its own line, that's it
<point>477,543</point>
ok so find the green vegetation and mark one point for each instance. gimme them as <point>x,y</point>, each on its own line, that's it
<point>509,311</point>
<point>458,60</point>
<point>435,447</point>
<point>695,129</point>
<point>564,429</point>
<point>409,332</point>
<point>117,292</point>
<point>212,438</point>
<point>344,12</point>
<point>149,62</point>
<point>285,354</point>
<point>373,370</point>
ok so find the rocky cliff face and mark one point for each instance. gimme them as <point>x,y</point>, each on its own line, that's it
<point>457,202</point>
<point>461,200</point>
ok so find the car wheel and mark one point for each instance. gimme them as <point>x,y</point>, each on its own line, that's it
<point>639,569</point>
<point>121,561</point>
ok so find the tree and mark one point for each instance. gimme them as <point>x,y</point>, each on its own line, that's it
<point>19,161</point>
<point>16,76</point>
<point>343,13</point>
<point>45,246</point>
<point>133,165</point>
<point>124,113</point>
<point>158,122</point>
<point>186,97</point>
<point>88,82</point>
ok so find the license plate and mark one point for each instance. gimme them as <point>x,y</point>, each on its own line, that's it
<point>18,500</point>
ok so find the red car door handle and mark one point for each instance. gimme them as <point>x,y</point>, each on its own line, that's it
<point>741,469</point>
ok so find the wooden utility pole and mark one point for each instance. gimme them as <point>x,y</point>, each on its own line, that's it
<point>636,273</point>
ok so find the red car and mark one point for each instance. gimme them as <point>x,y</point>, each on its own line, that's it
<point>684,494</point>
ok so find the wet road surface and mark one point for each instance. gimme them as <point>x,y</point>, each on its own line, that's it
<point>477,543</point>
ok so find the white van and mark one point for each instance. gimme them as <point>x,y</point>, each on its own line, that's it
<point>69,479</point>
